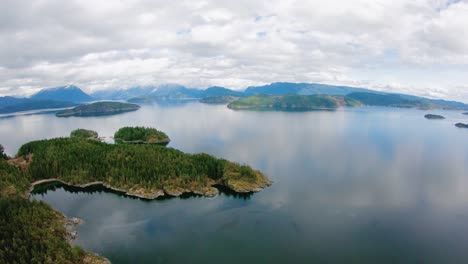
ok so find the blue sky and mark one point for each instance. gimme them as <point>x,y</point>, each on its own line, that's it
<point>412,46</point>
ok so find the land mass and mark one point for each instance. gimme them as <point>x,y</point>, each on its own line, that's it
<point>32,230</point>
<point>98,109</point>
<point>292,102</point>
<point>84,134</point>
<point>431,116</point>
<point>461,125</point>
<point>145,135</point>
<point>220,99</point>
<point>321,101</point>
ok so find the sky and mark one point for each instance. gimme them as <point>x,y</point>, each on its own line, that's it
<point>411,46</point>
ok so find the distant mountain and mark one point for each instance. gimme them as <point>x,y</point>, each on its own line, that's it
<point>283,88</point>
<point>123,94</point>
<point>28,105</point>
<point>7,101</point>
<point>164,92</point>
<point>221,91</point>
<point>68,93</point>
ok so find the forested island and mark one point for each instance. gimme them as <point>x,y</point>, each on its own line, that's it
<point>84,134</point>
<point>33,232</point>
<point>292,102</point>
<point>144,135</point>
<point>432,116</point>
<point>221,99</point>
<point>98,109</point>
<point>461,125</point>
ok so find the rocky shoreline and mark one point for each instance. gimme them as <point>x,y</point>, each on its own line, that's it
<point>207,191</point>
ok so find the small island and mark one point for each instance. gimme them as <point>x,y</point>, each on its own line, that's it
<point>141,135</point>
<point>431,116</point>
<point>98,109</point>
<point>222,99</point>
<point>84,134</point>
<point>461,125</point>
<point>141,100</point>
<point>292,102</point>
<point>466,113</point>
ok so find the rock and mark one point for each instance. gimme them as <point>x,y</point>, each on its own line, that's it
<point>431,116</point>
<point>461,125</point>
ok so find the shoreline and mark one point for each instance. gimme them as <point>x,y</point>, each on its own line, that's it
<point>165,192</point>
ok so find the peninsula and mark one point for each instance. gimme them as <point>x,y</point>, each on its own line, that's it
<point>99,109</point>
<point>292,102</point>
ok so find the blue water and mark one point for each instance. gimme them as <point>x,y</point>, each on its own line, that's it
<point>361,185</point>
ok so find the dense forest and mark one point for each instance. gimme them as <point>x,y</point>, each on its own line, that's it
<point>137,168</point>
<point>293,102</point>
<point>98,109</point>
<point>141,135</point>
<point>30,231</point>
<point>84,134</point>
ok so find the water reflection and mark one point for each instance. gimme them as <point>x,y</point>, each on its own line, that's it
<point>353,185</point>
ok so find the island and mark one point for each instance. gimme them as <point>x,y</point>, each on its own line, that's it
<point>98,109</point>
<point>141,135</point>
<point>461,125</point>
<point>33,230</point>
<point>141,100</point>
<point>466,113</point>
<point>431,116</point>
<point>221,99</point>
<point>84,134</point>
<point>292,102</point>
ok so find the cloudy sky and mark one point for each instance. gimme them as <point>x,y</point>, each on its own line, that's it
<point>412,46</point>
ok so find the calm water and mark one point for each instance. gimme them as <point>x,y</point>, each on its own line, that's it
<point>367,185</point>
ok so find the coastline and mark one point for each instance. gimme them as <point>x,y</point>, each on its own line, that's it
<point>207,191</point>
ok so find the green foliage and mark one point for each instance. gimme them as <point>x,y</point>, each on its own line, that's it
<point>393,100</point>
<point>32,232</point>
<point>13,181</point>
<point>291,102</point>
<point>99,108</point>
<point>3,155</point>
<point>84,134</point>
<point>146,166</point>
<point>141,135</point>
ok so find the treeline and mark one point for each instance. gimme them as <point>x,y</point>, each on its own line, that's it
<point>30,231</point>
<point>83,133</point>
<point>150,166</point>
<point>141,134</point>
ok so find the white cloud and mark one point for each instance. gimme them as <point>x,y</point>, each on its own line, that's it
<point>115,44</point>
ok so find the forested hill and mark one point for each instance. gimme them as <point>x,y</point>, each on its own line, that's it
<point>311,102</point>
<point>98,109</point>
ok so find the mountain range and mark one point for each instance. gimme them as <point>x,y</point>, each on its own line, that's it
<point>71,95</point>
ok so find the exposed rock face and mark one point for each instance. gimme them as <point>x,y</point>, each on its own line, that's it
<point>461,125</point>
<point>431,116</point>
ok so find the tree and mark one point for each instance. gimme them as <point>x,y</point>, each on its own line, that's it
<point>2,152</point>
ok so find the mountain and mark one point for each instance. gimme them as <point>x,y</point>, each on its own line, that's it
<point>69,93</point>
<point>221,91</point>
<point>26,104</point>
<point>283,88</point>
<point>123,94</point>
<point>7,101</point>
<point>165,92</point>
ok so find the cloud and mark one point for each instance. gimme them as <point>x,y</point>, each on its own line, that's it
<point>109,44</point>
